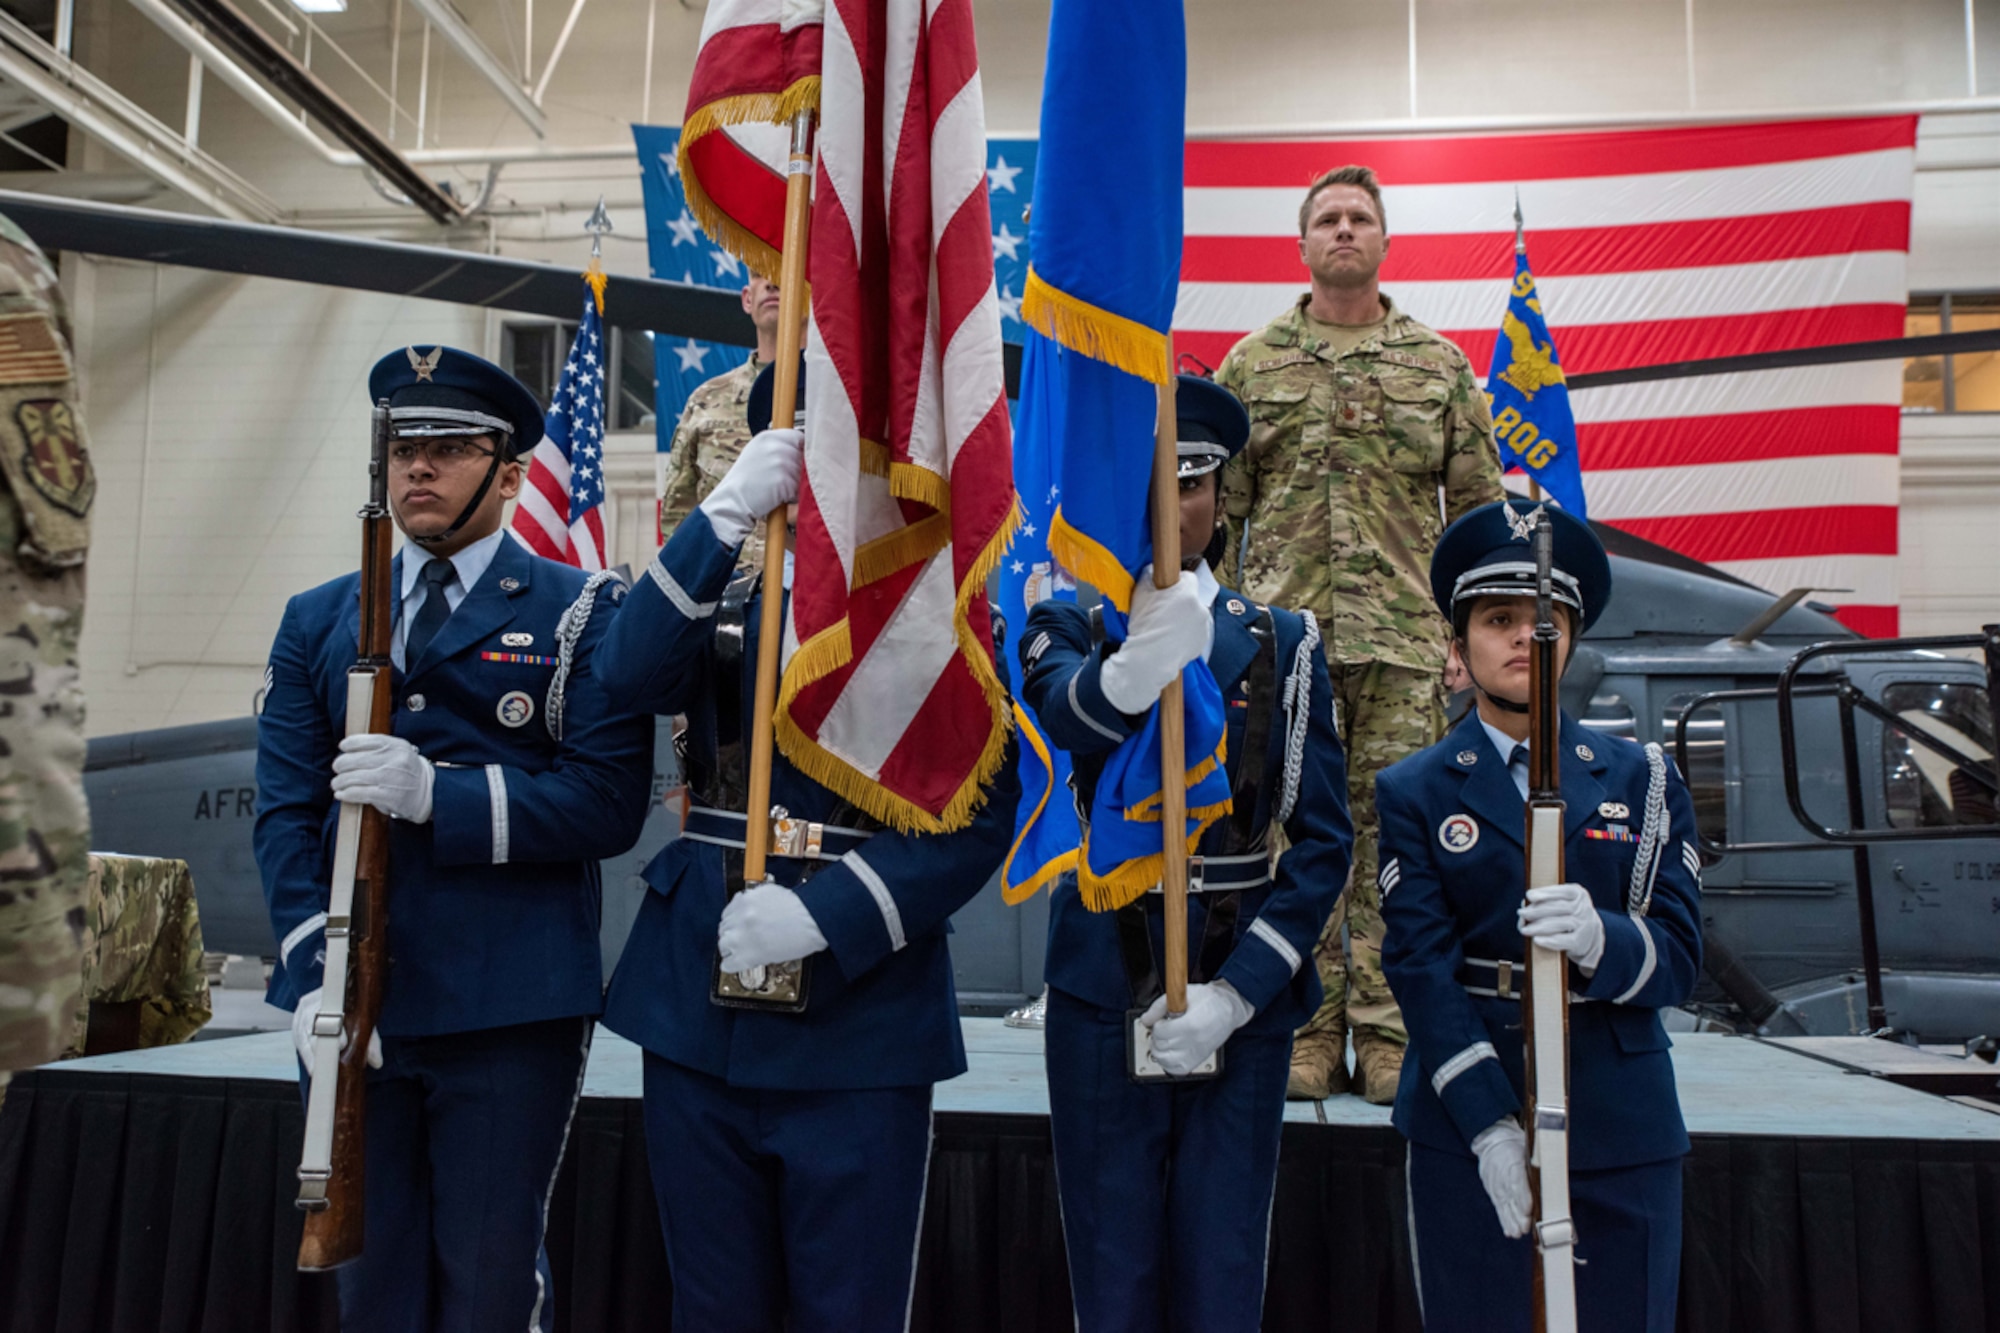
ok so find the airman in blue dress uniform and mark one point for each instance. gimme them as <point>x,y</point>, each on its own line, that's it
<point>1166,1186</point>
<point>507,777</point>
<point>1452,870</point>
<point>789,1150</point>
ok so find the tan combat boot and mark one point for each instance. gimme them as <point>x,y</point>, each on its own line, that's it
<point>1319,1065</point>
<point>1378,1065</point>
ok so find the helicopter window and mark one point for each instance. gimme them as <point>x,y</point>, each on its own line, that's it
<point>1612,715</point>
<point>1927,789</point>
<point>1705,768</point>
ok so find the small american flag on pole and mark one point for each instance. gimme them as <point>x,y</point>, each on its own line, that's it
<point>561,513</point>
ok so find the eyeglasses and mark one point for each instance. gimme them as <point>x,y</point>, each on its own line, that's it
<point>447,452</point>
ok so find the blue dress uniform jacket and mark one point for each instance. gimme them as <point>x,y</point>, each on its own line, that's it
<point>881,1008</point>
<point>1277,926</point>
<point>495,900</point>
<point>1166,1187</point>
<point>1450,894</point>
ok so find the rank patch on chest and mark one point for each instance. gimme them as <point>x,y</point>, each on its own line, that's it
<point>521,659</point>
<point>1458,833</point>
<point>517,639</point>
<point>1615,810</point>
<point>515,708</point>
<point>1610,833</point>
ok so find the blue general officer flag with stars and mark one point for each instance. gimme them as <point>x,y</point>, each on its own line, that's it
<point>1010,184</point>
<point>1532,422</point>
<point>677,250</point>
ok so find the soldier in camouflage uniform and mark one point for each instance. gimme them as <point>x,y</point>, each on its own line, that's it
<point>1360,417</point>
<point>143,982</point>
<point>713,428</point>
<point>46,487</point>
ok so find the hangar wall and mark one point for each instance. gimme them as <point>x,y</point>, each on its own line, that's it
<point>227,415</point>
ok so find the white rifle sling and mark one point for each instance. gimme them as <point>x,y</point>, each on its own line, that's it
<point>1549,1135</point>
<point>316,1159</point>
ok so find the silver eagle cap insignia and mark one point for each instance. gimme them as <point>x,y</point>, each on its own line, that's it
<point>1523,525</point>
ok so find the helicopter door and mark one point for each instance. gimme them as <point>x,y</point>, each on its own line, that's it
<point>1937,903</point>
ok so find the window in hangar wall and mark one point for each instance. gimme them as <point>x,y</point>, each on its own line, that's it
<point>534,354</point>
<point>1963,383</point>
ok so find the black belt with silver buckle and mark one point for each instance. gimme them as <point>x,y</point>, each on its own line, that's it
<point>1500,979</point>
<point>1226,874</point>
<point>797,839</point>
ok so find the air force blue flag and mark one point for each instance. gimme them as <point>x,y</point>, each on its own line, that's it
<point>1531,417</point>
<point>1046,834</point>
<point>1098,302</point>
<point>678,251</point>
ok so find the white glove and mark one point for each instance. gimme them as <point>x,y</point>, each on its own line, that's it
<point>1502,1150</point>
<point>765,476</point>
<point>1169,628</point>
<point>1561,916</point>
<point>1182,1042</point>
<point>302,1033</point>
<point>766,924</point>
<point>387,773</point>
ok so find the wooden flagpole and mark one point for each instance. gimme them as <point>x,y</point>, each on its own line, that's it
<point>784,406</point>
<point>1173,738</point>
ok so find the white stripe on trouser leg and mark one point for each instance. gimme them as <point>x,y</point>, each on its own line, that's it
<point>1410,1209</point>
<point>298,936</point>
<point>549,1194</point>
<point>1458,1064</point>
<point>676,594</point>
<point>1281,946</point>
<point>892,919</point>
<point>496,797</point>
<point>923,1201</point>
<point>1645,967</point>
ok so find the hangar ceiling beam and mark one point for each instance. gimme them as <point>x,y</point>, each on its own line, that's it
<point>453,27</point>
<point>434,273</point>
<point>228,28</point>
<point>240,80</point>
<point>93,106</point>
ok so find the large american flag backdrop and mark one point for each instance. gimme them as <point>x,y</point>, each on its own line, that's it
<point>1650,246</point>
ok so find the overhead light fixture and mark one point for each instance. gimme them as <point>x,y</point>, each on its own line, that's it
<point>320,6</point>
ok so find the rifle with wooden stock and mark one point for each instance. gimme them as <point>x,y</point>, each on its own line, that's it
<point>1545,1006</point>
<point>331,1167</point>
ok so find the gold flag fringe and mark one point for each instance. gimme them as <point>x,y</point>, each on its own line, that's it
<point>1089,561</point>
<point>832,648</point>
<point>1096,332</point>
<point>1016,894</point>
<point>1129,881</point>
<point>906,546</point>
<point>744,109</point>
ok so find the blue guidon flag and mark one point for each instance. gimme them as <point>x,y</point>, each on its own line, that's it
<point>1532,422</point>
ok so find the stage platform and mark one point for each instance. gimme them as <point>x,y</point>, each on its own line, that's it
<point>151,1190</point>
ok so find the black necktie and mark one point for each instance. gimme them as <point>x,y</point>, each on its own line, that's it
<point>1518,759</point>
<point>438,575</point>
